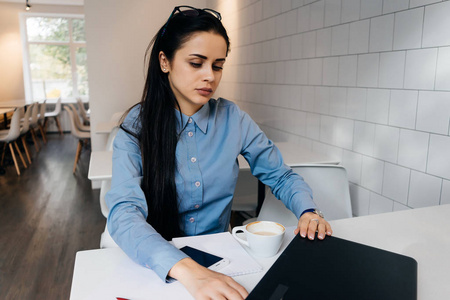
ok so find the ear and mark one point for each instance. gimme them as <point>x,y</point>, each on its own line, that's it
<point>164,62</point>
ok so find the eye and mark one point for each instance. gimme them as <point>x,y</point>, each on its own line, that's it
<point>196,65</point>
<point>217,68</point>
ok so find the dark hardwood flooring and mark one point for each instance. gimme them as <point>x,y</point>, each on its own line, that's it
<point>46,215</point>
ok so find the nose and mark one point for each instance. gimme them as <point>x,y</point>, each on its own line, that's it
<point>209,74</point>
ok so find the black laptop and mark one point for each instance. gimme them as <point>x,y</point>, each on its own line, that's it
<point>337,269</point>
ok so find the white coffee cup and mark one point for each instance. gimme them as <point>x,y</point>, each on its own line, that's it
<point>264,238</point>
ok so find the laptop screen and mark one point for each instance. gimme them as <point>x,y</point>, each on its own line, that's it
<point>337,269</point>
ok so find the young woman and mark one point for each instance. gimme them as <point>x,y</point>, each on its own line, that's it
<point>175,158</point>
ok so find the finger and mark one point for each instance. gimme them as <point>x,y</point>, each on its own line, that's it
<point>328,229</point>
<point>239,288</point>
<point>321,231</point>
<point>303,227</point>
<point>312,227</point>
<point>228,292</point>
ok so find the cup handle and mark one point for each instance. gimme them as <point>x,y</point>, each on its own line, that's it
<point>235,230</point>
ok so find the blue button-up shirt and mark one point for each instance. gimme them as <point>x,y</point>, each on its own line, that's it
<point>207,170</point>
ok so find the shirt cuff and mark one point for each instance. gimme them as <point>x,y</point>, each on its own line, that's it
<point>307,210</point>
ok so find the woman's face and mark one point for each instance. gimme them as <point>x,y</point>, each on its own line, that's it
<point>196,69</point>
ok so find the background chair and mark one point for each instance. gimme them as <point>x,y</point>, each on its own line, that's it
<point>55,115</point>
<point>80,135</point>
<point>34,124</point>
<point>24,129</point>
<point>77,116</point>
<point>330,192</point>
<point>83,112</point>
<point>41,120</point>
<point>9,137</point>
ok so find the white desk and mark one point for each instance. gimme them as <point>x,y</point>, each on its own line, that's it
<point>423,234</point>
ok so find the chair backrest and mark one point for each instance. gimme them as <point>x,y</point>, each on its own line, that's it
<point>111,137</point>
<point>14,127</point>
<point>34,114</point>
<point>330,187</point>
<point>26,120</point>
<point>82,110</point>
<point>105,187</point>
<point>58,106</point>
<point>42,111</point>
<point>73,127</point>
<point>76,116</point>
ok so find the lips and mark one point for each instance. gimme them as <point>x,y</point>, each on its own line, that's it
<point>204,91</point>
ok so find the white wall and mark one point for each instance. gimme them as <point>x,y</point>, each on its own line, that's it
<point>118,33</point>
<point>366,81</point>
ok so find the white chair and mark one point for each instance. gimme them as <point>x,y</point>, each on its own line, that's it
<point>83,112</point>
<point>77,116</point>
<point>80,135</point>
<point>9,137</point>
<point>34,124</point>
<point>24,129</point>
<point>330,187</point>
<point>41,120</point>
<point>55,115</point>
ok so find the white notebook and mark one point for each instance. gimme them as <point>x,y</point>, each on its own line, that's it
<point>223,245</point>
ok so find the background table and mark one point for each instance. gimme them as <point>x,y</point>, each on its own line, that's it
<point>423,234</point>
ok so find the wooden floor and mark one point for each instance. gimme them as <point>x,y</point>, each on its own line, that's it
<point>46,215</point>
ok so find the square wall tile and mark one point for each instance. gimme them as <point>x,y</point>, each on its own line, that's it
<point>303,19</point>
<point>364,138</point>
<point>302,71</point>
<point>390,6</point>
<point>339,39</point>
<point>445,195</point>
<point>315,71</point>
<point>295,96</point>
<point>372,174</point>
<point>400,207</point>
<point>297,3</point>
<point>308,98</point>
<point>285,48</point>
<point>381,33</point>
<point>377,110</point>
<point>436,24</point>
<point>291,22</point>
<point>309,44</point>
<point>313,126</point>
<point>386,143</point>
<point>392,69</point>
<point>416,3</point>
<point>326,129</point>
<point>359,37</point>
<point>330,71</point>
<point>296,46</point>
<point>338,101</point>
<point>380,204</point>
<point>439,156</point>
<point>290,72</point>
<point>352,163</point>
<point>323,42</point>
<point>396,182</point>
<point>433,112</point>
<point>403,108</point>
<point>322,100</point>
<point>420,69</point>
<point>343,133</point>
<point>443,69</point>
<point>348,70</point>
<point>350,10</point>
<point>413,149</point>
<point>408,29</point>
<point>317,13</point>
<point>360,198</point>
<point>424,190</point>
<point>356,103</point>
<point>286,5</point>
<point>368,70</point>
<point>371,8</point>
<point>332,12</point>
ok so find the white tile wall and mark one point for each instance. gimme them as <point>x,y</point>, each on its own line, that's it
<point>403,108</point>
<point>439,156</point>
<point>396,183</point>
<point>424,190</point>
<point>365,81</point>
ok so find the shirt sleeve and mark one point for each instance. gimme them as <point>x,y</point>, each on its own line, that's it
<point>128,210</point>
<point>266,163</point>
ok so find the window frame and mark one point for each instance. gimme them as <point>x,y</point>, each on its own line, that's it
<point>73,45</point>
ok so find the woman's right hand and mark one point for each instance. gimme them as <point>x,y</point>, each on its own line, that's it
<point>203,283</point>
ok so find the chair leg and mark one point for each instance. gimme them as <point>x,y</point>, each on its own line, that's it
<point>20,154</point>
<point>59,125</point>
<point>35,141</point>
<point>41,129</point>
<point>3,153</point>
<point>77,155</point>
<point>25,146</point>
<point>14,158</point>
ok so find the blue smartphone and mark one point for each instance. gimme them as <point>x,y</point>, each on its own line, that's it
<point>205,259</point>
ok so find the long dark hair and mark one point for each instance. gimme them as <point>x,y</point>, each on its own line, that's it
<point>158,136</point>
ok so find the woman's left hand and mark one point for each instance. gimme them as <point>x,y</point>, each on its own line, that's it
<point>309,223</point>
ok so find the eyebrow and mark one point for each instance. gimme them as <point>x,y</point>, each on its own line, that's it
<point>204,57</point>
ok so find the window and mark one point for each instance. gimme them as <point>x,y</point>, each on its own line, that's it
<point>55,61</point>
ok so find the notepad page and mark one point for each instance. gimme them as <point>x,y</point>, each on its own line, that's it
<point>223,245</point>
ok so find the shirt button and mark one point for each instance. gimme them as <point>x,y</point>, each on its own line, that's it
<point>197,206</point>
<point>193,159</point>
<point>189,120</point>
<point>190,133</point>
<point>197,183</point>
<point>191,220</point>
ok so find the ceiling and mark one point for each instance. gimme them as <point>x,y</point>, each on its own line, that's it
<point>50,2</point>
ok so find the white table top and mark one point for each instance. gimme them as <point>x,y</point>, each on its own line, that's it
<point>6,110</point>
<point>423,234</point>
<point>100,166</point>
<point>105,127</point>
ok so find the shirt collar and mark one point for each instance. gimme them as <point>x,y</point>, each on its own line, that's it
<point>200,118</point>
